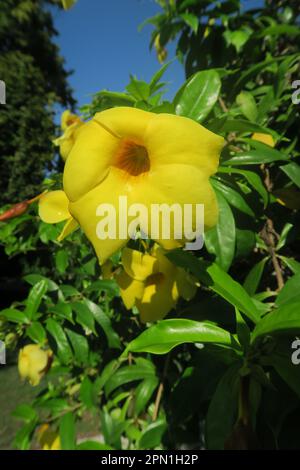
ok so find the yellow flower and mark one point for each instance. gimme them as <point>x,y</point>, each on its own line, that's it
<point>33,363</point>
<point>70,124</point>
<point>48,439</point>
<point>149,158</point>
<point>264,138</point>
<point>152,283</point>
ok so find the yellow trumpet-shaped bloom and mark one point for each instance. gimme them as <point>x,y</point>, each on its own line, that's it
<point>149,158</point>
<point>152,283</point>
<point>33,363</point>
<point>48,439</point>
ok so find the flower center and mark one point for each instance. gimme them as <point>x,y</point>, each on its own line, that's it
<point>133,158</point>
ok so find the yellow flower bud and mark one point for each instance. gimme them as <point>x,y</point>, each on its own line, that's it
<point>33,363</point>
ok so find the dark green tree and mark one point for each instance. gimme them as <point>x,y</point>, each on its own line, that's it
<point>36,81</point>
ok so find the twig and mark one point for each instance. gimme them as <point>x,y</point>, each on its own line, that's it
<point>160,389</point>
<point>269,235</point>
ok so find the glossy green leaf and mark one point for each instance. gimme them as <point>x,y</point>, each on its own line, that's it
<point>34,298</point>
<point>14,315</point>
<point>283,320</point>
<point>167,334</point>
<point>220,240</point>
<point>152,435</point>
<point>63,347</point>
<point>254,276</point>
<point>36,332</point>
<point>292,170</point>
<point>103,320</point>
<point>222,410</point>
<point>199,95</point>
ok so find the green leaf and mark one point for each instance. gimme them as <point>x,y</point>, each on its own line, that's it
<point>84,316</point>
<point>105,375</point>
<point>248,105</point>
<point>34,298</point>
<point>152,435</point>
<point>157,76</point>
<point>287,371</point>
<point>23,436</point>
<point>242,330</point>
<point>292,264</point>
<point>36,332</point>
<point>128,374</point>
<point>255,157</point>
<point>233,292</point>
<point>93,445</point>
<point>63,348</point>
<point>253,278</point>
<point>233,197</point>
<point>103,320</point>
<point>285,319</point>
<point>86,393</point>
<point>67,432</point>
<point>292,170</point>
<point>138,89</point>
<point>243,126</point>
<point>167,334</point>
<point>220,282</point>
<point>220,240</point>
<point>198,96</point>
<point>80,346</point>
<point>35,278</point>
<point>253,179</point>
<point>143,393</point>
<point>238,38</point>
<point>14,315</point>
<point>191,20</point>
<point>290,291</point>
<point>222,410</point>
<point>24,412</point>
<point>62,260</point>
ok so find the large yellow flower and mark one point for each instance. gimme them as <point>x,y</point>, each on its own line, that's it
<point>152,283</point>
<point>33,363</point>
<point>149,158</point>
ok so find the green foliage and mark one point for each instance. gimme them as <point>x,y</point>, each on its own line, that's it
<point>218,372</point>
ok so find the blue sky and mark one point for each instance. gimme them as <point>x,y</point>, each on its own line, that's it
<point>100,42</point>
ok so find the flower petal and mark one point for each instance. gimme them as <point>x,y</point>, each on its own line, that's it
<point>68,228</point>
<point>130,289</point>
<point>158,300</point>
<point>126,122</point>
<point>53,207</point>
<point>138,265</point>
<point>176,139</point>
<point>89,161</point>
<point>84,211</point>
<point>176,184</point>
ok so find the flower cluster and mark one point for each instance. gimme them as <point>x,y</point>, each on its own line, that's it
<point>151,159</point>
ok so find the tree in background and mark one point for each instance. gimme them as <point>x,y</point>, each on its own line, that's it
<point>36,81</point>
